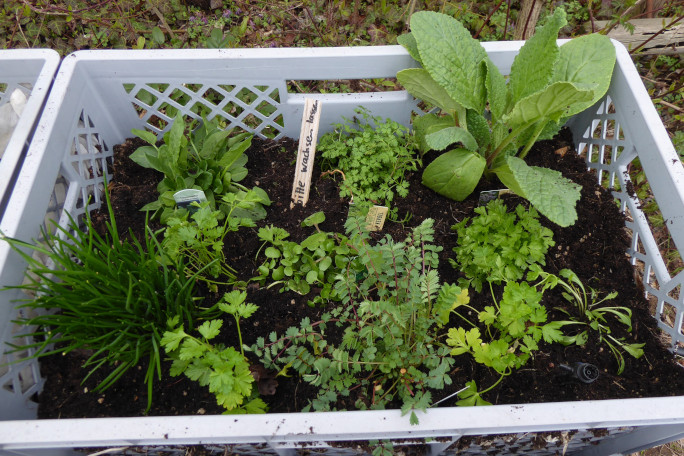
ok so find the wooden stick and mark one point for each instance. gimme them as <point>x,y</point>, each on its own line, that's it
<point>306,153</point>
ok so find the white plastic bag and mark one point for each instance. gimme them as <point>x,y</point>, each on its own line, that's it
<point>9,116</point>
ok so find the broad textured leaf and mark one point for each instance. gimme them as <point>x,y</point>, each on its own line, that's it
<point>173,137</point>
<point>452,57</point>
<point>549,104</point>
<point>506,176</point>
<point>445,137</point>
<point>455,173</point>
<point>549,130</point>
<point>160,165</point>
<point>234,155</point>
<point>230,157</point>
<point>420,84</point>
<point>587,61</point>
<point>533,66</point>
<point>549,192</point>
<point>496,91</point>
<point>429,123</point>
<point>409,42</point>
<point>239,138</point>
<point>204,179</point>
<point>479,128</point>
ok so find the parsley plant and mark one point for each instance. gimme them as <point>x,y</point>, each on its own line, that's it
<point>498,245</point>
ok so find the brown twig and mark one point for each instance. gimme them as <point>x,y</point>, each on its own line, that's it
<point>491,13</point>
<point>669,105</point>
<point>16,16</point>
<point>508,17</point>
<point>313,22</point>
<point>527,19</point>
<point>591,18</point>
<point>163,22</point>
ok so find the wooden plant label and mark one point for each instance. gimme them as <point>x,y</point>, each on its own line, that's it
<point>375,219</point>
<point>306,152</point>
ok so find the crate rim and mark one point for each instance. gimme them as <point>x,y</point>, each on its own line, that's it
<point>338,426</point>
<point>29,119</point>
<point>21,434</point>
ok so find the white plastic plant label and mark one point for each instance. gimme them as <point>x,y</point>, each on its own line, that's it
<point>9,117</point>
<point>184,198</point>
<point>489,195</point>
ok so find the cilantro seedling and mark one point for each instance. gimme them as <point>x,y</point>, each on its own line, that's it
<point>223,369</point>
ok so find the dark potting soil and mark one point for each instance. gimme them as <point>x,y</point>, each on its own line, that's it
<point>594,248</point>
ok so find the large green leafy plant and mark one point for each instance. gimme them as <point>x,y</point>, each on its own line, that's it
<point>487,123</point>
<point>210,160</point>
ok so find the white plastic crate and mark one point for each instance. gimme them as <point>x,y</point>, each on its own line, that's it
<point>99,96</point>
<point>29,71</point>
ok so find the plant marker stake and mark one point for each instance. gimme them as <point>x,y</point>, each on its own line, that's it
<point>307,150</point>
<point>375,219</point>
